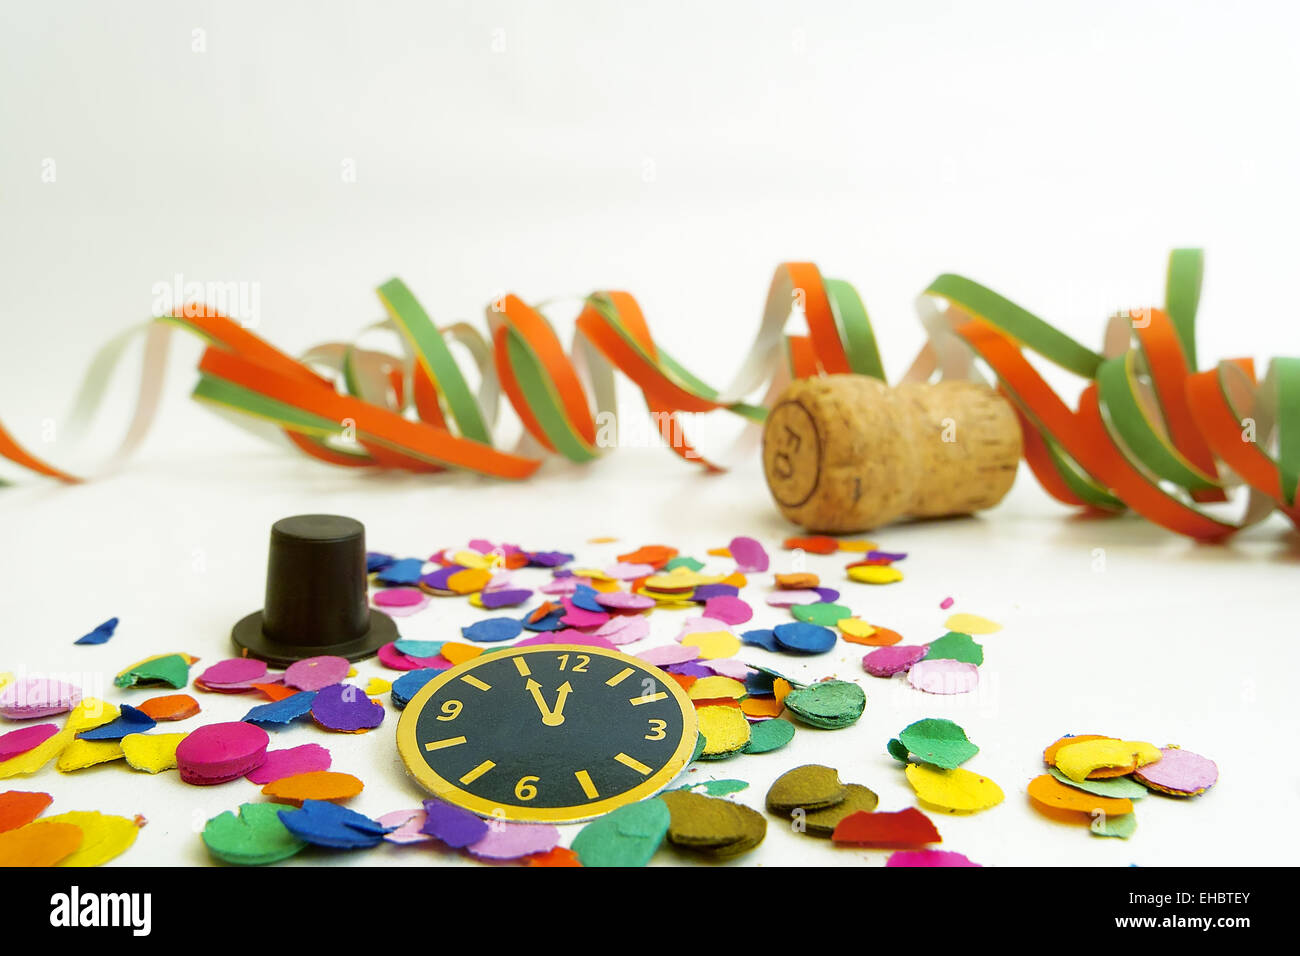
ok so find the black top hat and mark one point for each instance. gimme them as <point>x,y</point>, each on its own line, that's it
<point>315,595</point>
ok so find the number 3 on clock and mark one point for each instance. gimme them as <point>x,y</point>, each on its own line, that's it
<point>656,729</point>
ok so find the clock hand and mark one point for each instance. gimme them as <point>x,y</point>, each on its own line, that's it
<point>550,717</point>
<point>562,692</point>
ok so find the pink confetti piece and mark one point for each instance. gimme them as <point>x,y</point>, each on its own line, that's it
<point>944,676</point>
<point>624,601</point>
<point>279,764</point>
<point>563,586</point>
<point>510,841</point>
<point>24,739</point>
<point>930,858</point>
<point>31,697</point>
<point>314,673</point>
<point>791,598</point>
<point>730,667</point>
<point>701,625</point>
<point>576,616</point>
<point>234,671</point>
<point>748,554</point>
<point>400,597</point>
<point>888,661</point>
<point>394,659</point>
<point>566,637</point>
<point>409,824</point>
<point>670,654</point>
<point>943,605</point>
<point>500,581</point>
<point>216,753</point>
<point>731,610</point>
<point>1179,770</point>
<point>624,571</point>
<point>624,630</point>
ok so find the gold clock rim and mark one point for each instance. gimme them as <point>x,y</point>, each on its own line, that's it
<point>408,746</point>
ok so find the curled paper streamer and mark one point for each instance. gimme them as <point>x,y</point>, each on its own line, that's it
<point>1150,432</point>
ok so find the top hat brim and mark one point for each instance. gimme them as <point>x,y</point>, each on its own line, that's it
<point>252,641</point>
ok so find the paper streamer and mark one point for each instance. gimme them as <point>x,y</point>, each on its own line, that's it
<point>1150,432</point>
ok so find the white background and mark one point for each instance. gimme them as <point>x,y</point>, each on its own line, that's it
<point>679,151</point>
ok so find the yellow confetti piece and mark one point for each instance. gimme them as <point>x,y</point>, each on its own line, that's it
<point>780,688</point>
<point>956,791</point>
<point>90,712</point>
<point>858,547</point>
<point>719,552</point>
<point>6,679</point>
<point>855,627</point>
<point>601,540</point>
<point>875,574</point>
<point>712,644</point>
<point>39,843</point>
<point>725,730</point>
<point>476,600</point>
<point>469,580</point>
<point>458,653</point>
<point>377,685</point>
<point>971,624</point>
<point>476,559</point>
<point>80,754</point>
<point>707,688</point>
<point>103,836</point>
<point>735,579</point>
<point>595,574</point>
<point>152,753</point>
<point>1076,761</point>
<point>352,672</point>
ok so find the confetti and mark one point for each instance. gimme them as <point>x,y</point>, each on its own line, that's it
<point>453,826</point>
<point>103,836</point>
<point>804,638</point>
<point>170,707</point>
<point>875,574</point>
<point>505,597</point>
<point>217,753</point>
<point>400,571</point>
<point>829,704</point>
<point>1106,826</point>
<point>889,661</point>
<point>929,858</point>
<point>377,685</point>
<point>400,599</point>
<point>458,653</point>
<point>253,838</point>
<point>791,598</point>
<point>903,828</point>
<point>101,634</point>
<point>344,708</point>
<point>955,647</point>
<point>326,824</point>
<point>32,697</point>
<point>1178,773</point>
<point>748,554</point>
<point>27,738</point>
<point>827,615</point>
<point>1046,791</point>
<point>560,856</point>
<point>724,729</point>
<point>1080,759</point>
<point>807,788</point>
<point>855,629</point>
<point>711,826</point>
<point>282,712</point>
<point>40,843</point>
<point>409,824</point>
<point>152,753</point>
<point>943,606</point>
<point>944,676</point>
<point>80,754</point>
<point>1104,787</point>
<point>938,742</point>
<point>172,669</point>
<point>728,610</point>
<point>956,791</point>
<point>761,637</point>
<point>713,644</point>
<point>305,758</point>
<point>716,788</point>
<point>814,544</point>
<point>236,670</point>
<point>797,581</point>
<point>313,785</point>
<point>89,712</point>
<point>510,841</point>
<point>409,684</point>
<point>129,721</point>
<point>971,624</point>
<point>629,836</point>
<point>492,630</point>
<point>707,688</point>
<point>857,799</point>
<point>315,673</point>
<point>20,807</point>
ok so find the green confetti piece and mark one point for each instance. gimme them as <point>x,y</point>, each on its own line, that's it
<point>1107,826</point>
<point>827,615</point>
<point>700,744</point>
<point>830,704</point>
<point>938,742</point>
<point>684,562</point>
<point>955,646</point>
<point>897,750</point>
<point>716,788</point>
<point>629,836</point>
<point>254,837</point>
<point>172,669</point>
<point>768,735</point>
<point>1119,787</point>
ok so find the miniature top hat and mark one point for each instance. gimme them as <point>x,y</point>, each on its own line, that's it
<point>315,595</point>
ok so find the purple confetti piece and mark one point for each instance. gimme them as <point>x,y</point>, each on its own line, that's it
<point>629,572</point>
<point>689,669</point>
<point>547,559</point>
<point>453,826</point>
<point>826,595</point>
<point>509,597</point>
<point>885,556</point>
<point>1179,770</point>
<point>438,579</point>
<point>703,592</point>
<point>346,708</point>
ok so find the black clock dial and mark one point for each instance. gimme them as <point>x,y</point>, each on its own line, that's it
<point>548,732</point>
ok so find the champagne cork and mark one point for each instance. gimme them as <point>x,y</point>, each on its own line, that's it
<point>847,453</point>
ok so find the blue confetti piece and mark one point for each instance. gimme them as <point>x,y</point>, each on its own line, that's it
<point>419,648</point>
<point>282,711</point>
<point>492,630</point>
<point>99,635</point>
<point>322,823</point>
<point>585,598</point>
<point>410,684</point>
<point>549,623</point>
<point>377,561</point>
<point>130,721</point>
<point>761,637</point>
<point>402,571</point>
<point>762,680</point>
<point>804,638</point>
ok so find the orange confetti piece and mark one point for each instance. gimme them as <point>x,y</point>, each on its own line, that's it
<point>545,608</point>
<point>20,807</point>
<point>1047,791</point>
<point>880,637</point>
<point>559,856</point>
<point>735,579</point>
<point>719,552</point>
<point>686,680</point>
<point>1049,755</point>
<point>459,653</point>
<point>655,555</point>
<point>761,707</point>
<point>171,707</point>
<point>781,687</point>
<point>469,581</point>
<point>716,702</point>
<point>860,546</point>
<point>40,843</point>
<point>276,691</point>
<point>816,544</point>
<point>797,582</point>
<point>604,540</point>
<point>316,785</point>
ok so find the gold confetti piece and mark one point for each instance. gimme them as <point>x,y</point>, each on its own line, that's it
<point>103,836</point>
<point>719,552</point>
<point>971,624</point>
<point>713,645</point>
<point>152,753</point>
<point>807,788</point>
<point>377,685</point>
<point>458,653</point>
<point>875,574</point>
<point>1078,760</point>
<point>855,627</point>
<point>601,540</point>
<point>475,559</point>
<point>707,688</point>
<point>857,547</point>
<point>956,791</point>
<point>712,826</point>
<point>824,821</point>
<point>80,754</point>
<point>725,730</point>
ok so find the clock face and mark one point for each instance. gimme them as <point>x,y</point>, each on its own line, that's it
<point>553,732</point>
